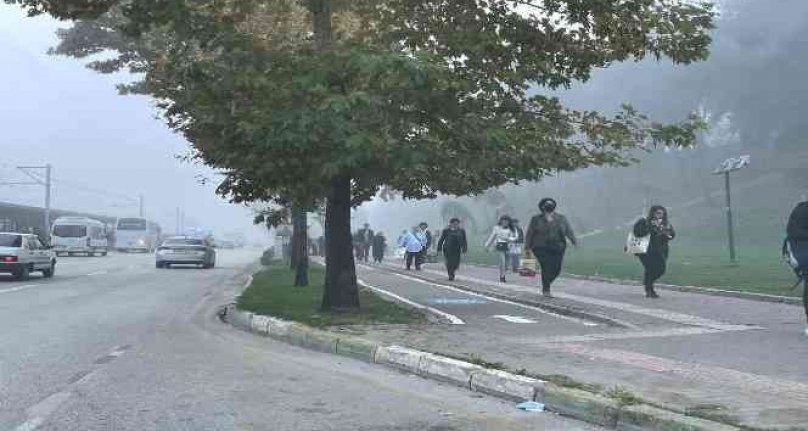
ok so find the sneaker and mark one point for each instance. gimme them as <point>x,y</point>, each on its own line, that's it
<point>546,294</point>
<point>502,279</point>
<point>651,294</point>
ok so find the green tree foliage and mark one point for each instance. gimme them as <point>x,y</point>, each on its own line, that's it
<point>299,100</point>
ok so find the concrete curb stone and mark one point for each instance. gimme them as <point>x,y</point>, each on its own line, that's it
<point>447,369</point>
<point>644,418</point>
<point>399,357</point>
<point>581,405</point>
<point>506,385</point>
<point>573,403</point>
<point>357,348</point>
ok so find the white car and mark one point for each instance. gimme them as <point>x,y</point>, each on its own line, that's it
<point>21,254</point>
<point>183,250</point>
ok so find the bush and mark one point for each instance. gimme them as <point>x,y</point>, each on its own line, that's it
<point>268,257</point>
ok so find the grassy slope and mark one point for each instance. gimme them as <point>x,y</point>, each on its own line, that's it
<point>272,293</point>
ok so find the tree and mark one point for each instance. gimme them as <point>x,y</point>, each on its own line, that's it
<point>424,97</point>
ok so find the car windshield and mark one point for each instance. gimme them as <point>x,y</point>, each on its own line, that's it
<point>69,231</point>
<point>183,241</point>
<point>10,240</point>
<point>131,224</point>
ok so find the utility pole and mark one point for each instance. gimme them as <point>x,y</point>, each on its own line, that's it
<point>140,204</point>
<point>729,166</point>
<point>178,228</point>
<point>47,182</point>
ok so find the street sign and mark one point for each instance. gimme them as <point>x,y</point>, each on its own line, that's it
<point>733,164</point>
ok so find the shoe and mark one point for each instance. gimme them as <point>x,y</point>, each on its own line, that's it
<point>546,294</point>
<point>651,294</point>
<point>451,277</point>
<point>502,279</point>
<point>806,332</point>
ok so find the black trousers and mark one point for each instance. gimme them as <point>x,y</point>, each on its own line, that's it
<point>378,255</point>
<point>452,261</point>
<point>655,264</point>
<point>805,294</point>
<point>550,260</point>
<point>413,256</point>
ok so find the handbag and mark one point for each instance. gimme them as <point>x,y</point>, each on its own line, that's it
<point>502,246</point>
<point>637,244</point>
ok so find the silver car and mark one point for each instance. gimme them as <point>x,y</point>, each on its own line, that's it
<point>21,254</point>
<point>183,250</point>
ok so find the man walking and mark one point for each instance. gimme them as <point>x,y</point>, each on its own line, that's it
<point>365,238</point>
<point>453,243</point>
<point>413,243</point>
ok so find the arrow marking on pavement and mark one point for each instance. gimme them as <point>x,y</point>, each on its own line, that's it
<point>513,319</point>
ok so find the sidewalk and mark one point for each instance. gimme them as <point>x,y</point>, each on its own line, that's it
<point>741,361</point>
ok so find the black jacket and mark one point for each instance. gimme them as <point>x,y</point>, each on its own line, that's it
<point>797,229</point>
<point>453,241</point>
<point>660,235</point>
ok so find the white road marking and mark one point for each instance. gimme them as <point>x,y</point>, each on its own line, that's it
<point>671,316</point>
<point>40,411</point>
<point>513,319</point>
<point>502,301</point>
<point>454,320</point>
<point>102,272</point>
<point>18,288</point>
<point>659,333</point>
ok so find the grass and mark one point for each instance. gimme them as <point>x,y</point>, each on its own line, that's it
<point>272,293</point>
<point>695,260</point>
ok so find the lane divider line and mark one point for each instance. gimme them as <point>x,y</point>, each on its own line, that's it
<point>18,288</point>
<point>454,320</point>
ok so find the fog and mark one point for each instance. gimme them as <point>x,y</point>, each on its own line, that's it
<point>752,92</point>
<point>105,149</point>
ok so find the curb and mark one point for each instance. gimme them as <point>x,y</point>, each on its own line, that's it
<point>572,403</point>
<point>553,308</point>
<point>710,291</point>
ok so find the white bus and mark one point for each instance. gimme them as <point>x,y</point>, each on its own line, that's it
<point>136,234</point>
<point>71,235</point>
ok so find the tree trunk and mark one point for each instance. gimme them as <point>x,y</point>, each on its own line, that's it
<point>341,292</point>
<point>300,247</point>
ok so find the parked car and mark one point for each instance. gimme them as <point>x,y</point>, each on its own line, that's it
<point>21,254</point>
<point>183,250</point>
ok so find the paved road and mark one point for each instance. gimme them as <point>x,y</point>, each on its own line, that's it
<point>115,344</point>
<point>738,358</point>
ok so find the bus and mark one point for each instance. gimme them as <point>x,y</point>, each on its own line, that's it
<point>136,234</point>
<point>71,235</point>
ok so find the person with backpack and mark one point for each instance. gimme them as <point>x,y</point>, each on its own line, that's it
<point>547,237</point>
<point>660,232</point>
<point>796,248</point>
<point>453,243</point>
<point>501,238</point>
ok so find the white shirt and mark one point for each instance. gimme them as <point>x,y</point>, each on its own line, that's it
<point>501,235</point>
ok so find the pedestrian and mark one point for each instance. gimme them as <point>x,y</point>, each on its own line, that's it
<point>426,238</point>
<point>501,238</point>
<point>365,240</point>
<point>413,243</point>
<point>547,237</point>
<point>379,246</point>
<point>797,248</point>
<point>654,261</point>
<point>517,246</point>
<point>453,243</point>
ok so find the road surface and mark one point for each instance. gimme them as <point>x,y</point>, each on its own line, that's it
<point>115,344</point>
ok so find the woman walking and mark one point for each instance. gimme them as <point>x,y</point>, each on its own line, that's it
<point>797,248</point>
<point>453,243</point>
<point>654,261</point>
<point>502,237</point>
<point>547,238</point>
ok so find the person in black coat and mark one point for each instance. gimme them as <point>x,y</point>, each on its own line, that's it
<point>379,246</point>
<point>797,242</point>
<point>654,261</point>
<point>453,243</point>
